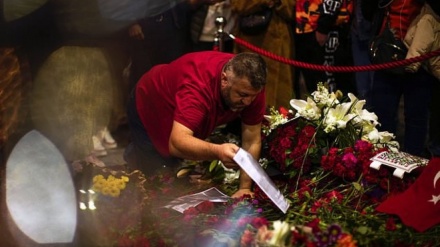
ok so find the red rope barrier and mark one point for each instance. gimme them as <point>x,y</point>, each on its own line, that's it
<point>334,68</point>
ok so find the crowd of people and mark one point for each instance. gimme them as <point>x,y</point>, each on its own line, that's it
<point>186,86</point>
<point>200,79</point>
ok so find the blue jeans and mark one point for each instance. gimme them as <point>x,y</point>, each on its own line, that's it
<point>416,91</point>
<point>140,153</point>
<point>364,79</point>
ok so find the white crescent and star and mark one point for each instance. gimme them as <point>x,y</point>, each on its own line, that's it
<point>437,176</point>
<point>435,199</point>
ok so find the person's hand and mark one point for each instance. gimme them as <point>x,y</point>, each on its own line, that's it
<point>227,153</point>
<point>135,32</point>
<point>321,38</point>
<point>241,192</point>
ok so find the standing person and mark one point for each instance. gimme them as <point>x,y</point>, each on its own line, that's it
<point>204,29</point>
<point>278,39</point>
<point>361,34</point>
<point>158,39</point>
<point>322,37</point>
<point>423,36</point>
<point>176,106</point>
<point>415,88</point>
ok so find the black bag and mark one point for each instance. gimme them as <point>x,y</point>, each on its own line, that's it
<point>256,23</point>
<point>385,48</point>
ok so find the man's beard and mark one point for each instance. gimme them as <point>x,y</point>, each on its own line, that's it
<point>229,103</point>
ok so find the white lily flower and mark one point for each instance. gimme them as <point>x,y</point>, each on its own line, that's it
<point>369,117</point>
<point>338,117</point>
<point>367,127</point>
<point>358,105</point>
<point>383,137</point>
<point>281,231</point>
<point>372,136</point>
<point>386,136</point>
<point>307,109</point>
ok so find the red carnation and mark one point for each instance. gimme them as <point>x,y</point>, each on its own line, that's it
<point>205,207</point>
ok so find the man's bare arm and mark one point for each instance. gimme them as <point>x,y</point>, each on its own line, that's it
<point>183,144</point>
<point>251,142</point>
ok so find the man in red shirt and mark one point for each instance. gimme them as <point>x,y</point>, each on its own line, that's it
<point>176,106</point>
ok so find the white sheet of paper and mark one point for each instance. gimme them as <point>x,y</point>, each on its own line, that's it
<point>184,202</point>
<point>260,177</point>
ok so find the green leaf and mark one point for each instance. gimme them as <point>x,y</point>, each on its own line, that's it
<point>363,230</point>
<point>213,165</point>
<point>357,186</point>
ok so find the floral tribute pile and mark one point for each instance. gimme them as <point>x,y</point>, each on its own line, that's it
<point>318,154</point>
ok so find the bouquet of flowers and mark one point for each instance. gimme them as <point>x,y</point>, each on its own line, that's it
<point>319,124</point>
<point>322,148</point>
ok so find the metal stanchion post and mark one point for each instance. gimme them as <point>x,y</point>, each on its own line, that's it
<point>220,23</point>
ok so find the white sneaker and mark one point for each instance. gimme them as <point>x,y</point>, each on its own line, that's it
<point>107,139</point>
<point>98,148</point>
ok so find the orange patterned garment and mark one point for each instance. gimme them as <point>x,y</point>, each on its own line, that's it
<point>308,12</point>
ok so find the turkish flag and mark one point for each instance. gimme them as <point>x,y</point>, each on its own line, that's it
<point>419,205</point>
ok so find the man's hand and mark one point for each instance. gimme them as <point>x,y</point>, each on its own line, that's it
<point>241,192</point>
<point>226,154</point>
<point>321,38</point>
<point>135,32</point>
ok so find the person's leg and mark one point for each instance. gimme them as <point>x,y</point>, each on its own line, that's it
<point>385,98</point>
<point>364,79</point>
<point>140,61</point>
<point>140,153</point>
<point>417,98</point>
<point>309,51</point>
<point>434,123</point>
<point>343,55</point>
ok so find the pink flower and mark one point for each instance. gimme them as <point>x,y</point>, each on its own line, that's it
<point>349,160</point>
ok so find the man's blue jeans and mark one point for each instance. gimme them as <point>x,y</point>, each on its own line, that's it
<point>364,79</point>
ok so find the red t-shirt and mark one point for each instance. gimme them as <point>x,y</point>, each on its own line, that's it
<point>188,91</point>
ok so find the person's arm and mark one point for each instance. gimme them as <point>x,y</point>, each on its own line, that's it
<point>183,144</point>
<point>326,22</point>
<point>251,142</point>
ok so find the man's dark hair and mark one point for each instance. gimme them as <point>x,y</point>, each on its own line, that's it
<point>249,65</point>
